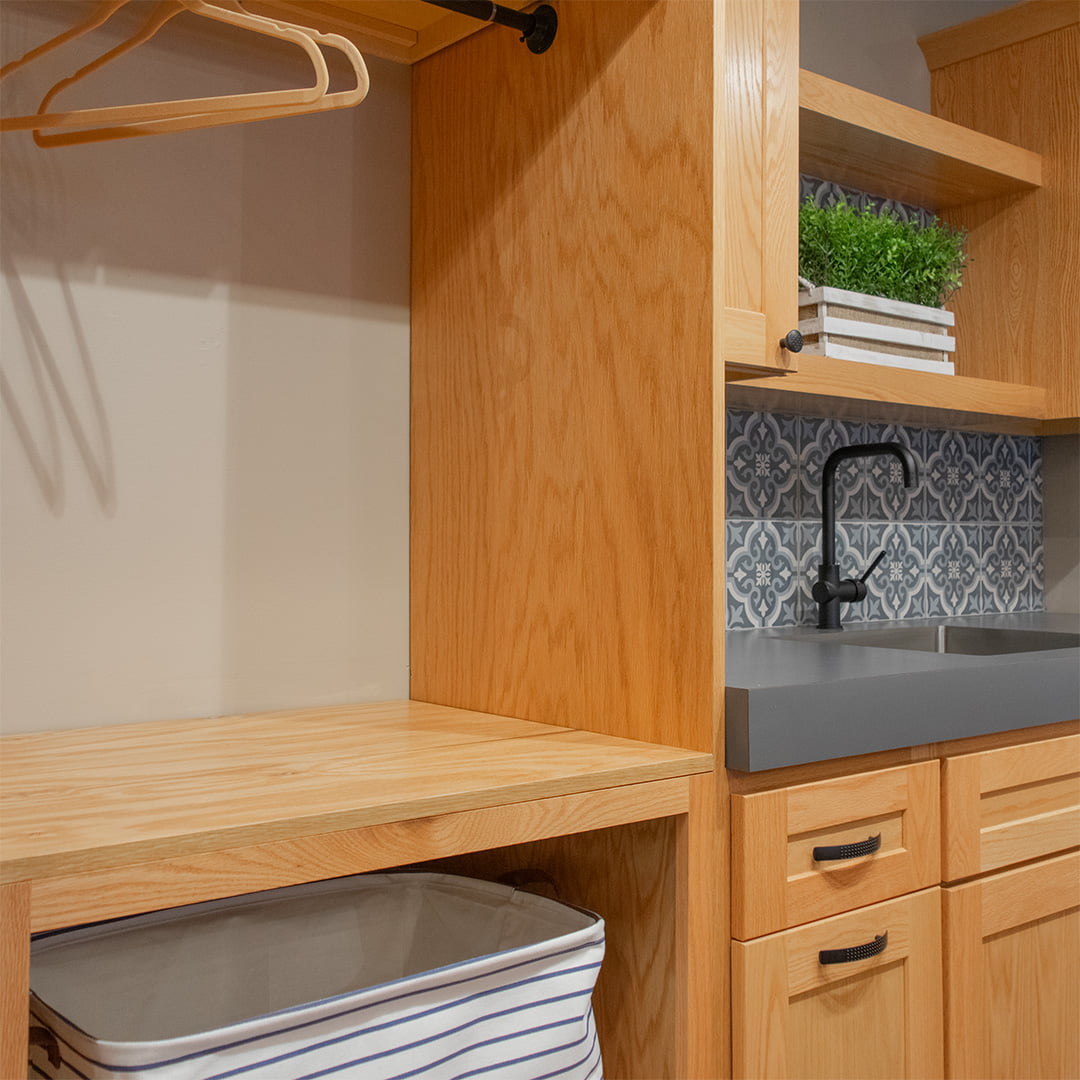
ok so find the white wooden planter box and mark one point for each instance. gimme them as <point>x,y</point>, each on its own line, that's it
<point>872,330</point>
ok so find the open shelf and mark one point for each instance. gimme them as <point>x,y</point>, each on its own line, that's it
<point>858,139</point>
<point>892,394</point>
<point>107,821</point>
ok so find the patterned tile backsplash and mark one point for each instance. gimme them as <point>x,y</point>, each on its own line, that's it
<point>967,540</point>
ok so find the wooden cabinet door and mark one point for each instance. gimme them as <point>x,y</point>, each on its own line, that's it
<point>879,1017</point>
<point>757,158</point>
<point>1012,973</point>
<point>810,850</point>
<point>1010,805</point>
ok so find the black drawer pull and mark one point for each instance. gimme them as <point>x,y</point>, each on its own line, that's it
<point>856,952</point>
<point>848,851</point>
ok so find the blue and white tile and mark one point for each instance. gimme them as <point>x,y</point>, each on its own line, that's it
<point>1035,596</point>
<point>954,574</point>
<point>952,476</point>
<point>1005,480</point>
<point>895,590</point>
<point>1030,448</point>
<point>762,465</point>
<point>818,438</point>
<point>1006,569</point>
<point>761,574</point>
<point>886,497</point>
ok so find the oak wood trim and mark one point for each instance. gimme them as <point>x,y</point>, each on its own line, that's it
<point>125,890</point>
<point>861,139</point>
<point>14,976</point>
<point>997,30</point>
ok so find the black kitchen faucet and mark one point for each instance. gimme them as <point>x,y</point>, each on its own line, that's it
<point>829,590</point>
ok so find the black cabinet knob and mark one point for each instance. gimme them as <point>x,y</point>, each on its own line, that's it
<point>792,341</point>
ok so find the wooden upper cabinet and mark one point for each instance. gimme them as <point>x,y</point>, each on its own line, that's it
<point>1015,75</point>
<point>758,159</point>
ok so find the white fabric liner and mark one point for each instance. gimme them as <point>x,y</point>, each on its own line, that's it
<point>189,970</point>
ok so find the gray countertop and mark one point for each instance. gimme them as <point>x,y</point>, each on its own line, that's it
<point>796,695</point>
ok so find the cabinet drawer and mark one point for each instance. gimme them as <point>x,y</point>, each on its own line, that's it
<point>781,876</point>
<point>872,1016</point>
<point>1006,806</point>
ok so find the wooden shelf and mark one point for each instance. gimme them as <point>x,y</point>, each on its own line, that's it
<point>854,138</point>
<point>106,821</point>
<point>400,30</point>
<point>893,394</point>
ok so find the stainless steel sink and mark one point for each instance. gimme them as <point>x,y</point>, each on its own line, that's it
<point>967,640</point>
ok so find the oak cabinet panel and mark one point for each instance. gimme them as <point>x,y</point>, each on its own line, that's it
<point>776,880</point>
<point>1009,805</point>
<point>794,1016</point>
<point>1012,953</point>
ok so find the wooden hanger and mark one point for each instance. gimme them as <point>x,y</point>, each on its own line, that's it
<point>153,111</point>
<point>341,99</point>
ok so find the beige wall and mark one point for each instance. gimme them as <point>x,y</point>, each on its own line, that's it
<point>204,471</point>
<point>872,44</point>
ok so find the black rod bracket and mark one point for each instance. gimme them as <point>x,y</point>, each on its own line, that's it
<point>538,27</point>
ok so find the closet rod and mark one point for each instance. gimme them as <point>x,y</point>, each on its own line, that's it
<point>537,28</point>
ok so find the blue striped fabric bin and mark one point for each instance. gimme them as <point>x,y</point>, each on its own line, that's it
<point>379,977</point>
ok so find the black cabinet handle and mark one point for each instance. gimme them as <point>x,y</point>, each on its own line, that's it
<point>856,952</point>
<point>848,851</point>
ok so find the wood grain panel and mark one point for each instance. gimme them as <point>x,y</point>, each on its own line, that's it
<point>823,377</point>
<point>562,394</point>
<point>125,890</point>
<point>100,799</point>
<point>632,877</point>
<point>1013,317</point>
<point>14,976</point>
<point>997,30</point>
<point>852,137</point>
<point>758,157</point>
<point>776,883</point>
<point>1012,949</point>
<point>1010,804</point>
<point>794,1017</point>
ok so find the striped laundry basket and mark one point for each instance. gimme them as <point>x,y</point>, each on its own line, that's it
<point>374,977</point>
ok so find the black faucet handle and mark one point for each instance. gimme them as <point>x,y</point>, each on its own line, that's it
<point>873,566</point>
<point>849,590</point>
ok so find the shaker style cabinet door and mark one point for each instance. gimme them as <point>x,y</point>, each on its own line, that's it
<point>758,196</point>
<point>1012,958</point>
<point>853,997</point>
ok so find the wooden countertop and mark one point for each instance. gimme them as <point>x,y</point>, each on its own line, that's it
<point>89,799</point>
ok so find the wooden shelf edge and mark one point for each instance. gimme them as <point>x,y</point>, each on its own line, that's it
<point>851,136</point>
<point>134,793</point>
<point>997,30</point>
<point>868,391</point>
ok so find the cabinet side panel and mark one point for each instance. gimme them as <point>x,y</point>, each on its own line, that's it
<point>629,875</point>
<point>1013,316</point>
<point>562,374</point>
